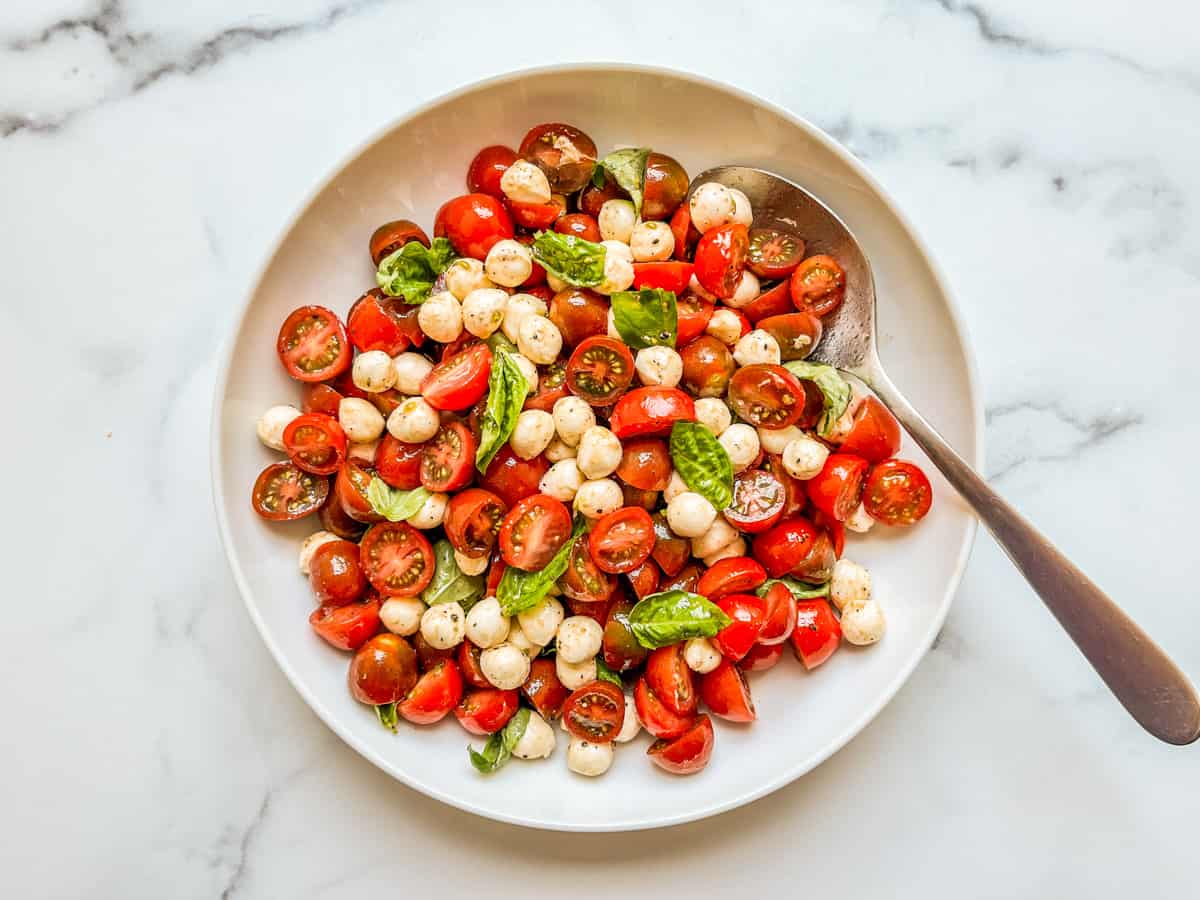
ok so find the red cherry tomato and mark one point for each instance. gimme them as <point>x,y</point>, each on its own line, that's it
<point>688,753</point>
<point>781,615</point>
<point>473,223</point>
<point>398,463</point>
<point>436,693</point>
<point>748,612</point>
<point>596,611</point>
<point>817,633</point>
<point>487,168</point>
<point>685,233</point>
<point>487,710</point>
<point>511,478</point>
<point>428,656</point>
<point>469,666</point>
<point>622,652</point>
<point>817,565</point>
<point>839,486</point>
<point>773,253</point>
<point>379,322</point>
<point>312,344</point>
<point>460,381</point>
<point>767,395</point>
<point>563,152</point>
<point>667,276</point>
<point>687,579</point>
<point>282,492</point>
<point>721,258</point>
<point>818,285</point>
<point>397,559</point>
<point>552,387</point>
<point>795,498</point>
<point>645,464</point>
<point>897,493</point>
<point>650,411</point>
<point>533,531</point>
<point>595,712</point>
<point>383,670</point>
<point>391,236</point>
<point>335,575</point>
<point>761,657</point>
<point>599,370</point>
<point>632,496</point>
<point>320,398</point>
<point>797,333</point>
<point>645,579</point>
<point>335,521</point>
<point>874,434</point>
<point>592,198</point>
<point>472,522</point>
<point>537,216</point>
<point>448,458</point>
<point>734,575</point>
<point>654,715</point>
<point>581,225</point>
<point>694,315</point>
<point>346,627</point>
<point>669,677</point>
<point>782,547</point>
<point>671,552</point>
<point>351,485</point>
<point>758,501</point>
<point>772,301</point>
<point>543,689</point>
<point>579,314</point>
<point>315,443</point>
<point>724,691</point>
<point>707,366</point>
<point>622,540</point>
<point>584,581</point>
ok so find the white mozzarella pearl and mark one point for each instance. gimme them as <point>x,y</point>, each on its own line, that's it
<point>719,535</point>
<point>363,451</point>
<point>599,497</point>
<point>756,348</point>
<point>440,317</point>
<point>372,372</point>
<point>725,326</point>
<point>741,443</point>
<point>651,242</point>
<point>518,308</point>
<point>471,565</point>
<point>860,520</point>
<point>508,263</point>
<point>675,486</point>
<point>574,675</point>
<point>538,740</point>
<point>579,638</point>
<point>746,291</point>
<point>599,452</point>
<point>525,183</point>
<point>487,626</point>
<point>466,275</point>
<point>701,655</point>
<point>562,480</point>
<point>775,440</point>
<point>743,214</point>
<point>408,371</point>
<point>616,220</point>
<point>587,758</point>
<point>431,513</point>
<point>483,311</point>
<point>850,584</point>
<point>713,413</point>
<point>310,545</point>
<point>414,421</point>
<point>270,427</point>
<point>712,205</point>
<point>555,283</point>
<point>359,418</point>
<point>402,615</point>
<point>572,417</point>
<point>521,641</point>
<point>539,340</point>
<point>630,727</point>
<point>690,515</point>
<point>804,457</point>
<point>864,623</point>
<point>558,450</point>
<point>444,625</point>
<point>736,547</point>
<point>504,666</point>
<point>531,434</point>
<point>540,624</point>
<point>659,365</point>
<point>612,326</point>
<point>528,371</point>
<point>618,274</point>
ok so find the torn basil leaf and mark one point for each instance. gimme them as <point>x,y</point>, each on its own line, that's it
<point>833,387</point>
<point>386,712</point>
<point>449,584</point>
<point>628,169</point>
<point>572,259</point>
<point>702,463</point>
<point>500,745</point>
<point>411,271</point>
<point>646,318</point>
<point>507,389</point>
<point>659,620</point>
<point>519,590</point>
<point>799,589</point>
<point>393,504</point>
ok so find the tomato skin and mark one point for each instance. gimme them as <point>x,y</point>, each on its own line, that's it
<point>346,627</point>
<point>725,692</point>
<point>622,652</point>
<point>684,231</point>
<point>397,463</point>
<point>780,618</point>
<point>897,492</point>
<point>622,540</point>
<point>707,366</point>
<point>773,301</point>
<point>579,314</point>
<point>592,198</point>
<point>817,633</point>
<point>584,581</point>
<point>460,381</point>
<point>735,575</point>
<point>472,521</point>
<point>396,542</point>
<point>335,521</point>
<point>688,753</point>
<point>511,478</point>
<point>595,712</point>
<point>282,493</point>
<point>487,710</point>
<point>667,276</point>
<point>767,395</point>
<point>794,493</point>
<point>563,152</point>
<point>391,236</point>
<point>536,216</point>
<point>315,443</point>
<point>797,333</point>
<point>320,398</point>
<point>761,657</point>
<point>645,464</point>
<point>839,486</point>
<point>467,657</point>
<point>335,574</point>
<point>448,458</point>
<point>533,531</point>
<point>645,579</point>
<point>694,315</point>
<point>543,689</point>
<point>383,670</point>
<point>654,715</point>
<point>759,501</point>
<point>600,369</point>
<point>665,187</point>
<point>818,285</point>
<point>721,258</point>
<point>817,565</point>
<point>773,253</point>
<point>650,411</point>
<point>312,344</point>
<point>379,322</point>
<point>686,579</point>
<point>748,612</point>
<point>671,552</point>
<point>351,489</point>
<point>552,387</point>
<point>487,168</point>
<point>581,225</point>
<point>436,693</point>
<point>781,548</point>
<point>632,496</point>
<point>668,676</point>
<point>875,434</point>
<point>473,223</point>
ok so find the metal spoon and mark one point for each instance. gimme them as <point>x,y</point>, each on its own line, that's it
<point>1151,687</point>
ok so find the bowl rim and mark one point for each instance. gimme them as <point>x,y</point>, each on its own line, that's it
<point>333,721</point>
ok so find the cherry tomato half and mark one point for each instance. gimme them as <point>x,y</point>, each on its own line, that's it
<point>654,715</point>
<point>600,369</point>
<point>312,344</point>
<point>666,185</point>
<point>315,443</point>
<point>836,490</point>
<point>391,236</point>
<point>592,198</point>
<point>684,231</point>
<point>579,314</point>
<point>448,458</point>
<point>818,285</point>
<point>346,627</point>
<point>797,333</point>
<point>397,463</point>
<point>817,633</point>
<point>595,712</point>
<point>724,691</point>
<point>671,552</point>
<point>773,253</point>
<point>552,387</point>
<point>383,670</point>
<point>397,559</point>
<point>622,540</point>
<point>563,152</point>
<point>467,657</point>
<point>686,579</point>
<point>758,501</point>
<point>645,463</point>
<point>335,521</point>
<point>335,574</point>
<point>733,575</point>
<point>767,395</point>
<point>688,753</point>
<point>533,531</point>
<point>781,615</point>
<point>707,366</point>
<point>584,581</point>
<point>721,258</point>
<point>511,478</point>
<point>536,216</point>
<point>666,276</point>
<point>669,677</point>
<point>437,692</point>
<point>473,223</point>
<point>748,612</point>
<point>648,411</point>
<point>771,301</point>
<point>782,547</point>
<point>459,381</point>
<point>817,565</point>
<point>351,484</point>
<point>694,314</point>
<point>795,498</point>
<point>472,521</point>
<point>897,493</point>
<point>543,689</point>
<point>874,434</point>
<point>487,168</point>
<point>379,322</point>
<point>487,710</point>
<point>761,657</point>
<point>320,398</point>
<point>645,579</point>
<point>581,225</point>
<point>282,492</point>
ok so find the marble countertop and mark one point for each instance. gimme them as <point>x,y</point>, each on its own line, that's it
<point>149,154</point>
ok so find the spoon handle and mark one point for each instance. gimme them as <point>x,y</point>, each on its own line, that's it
<point>1136,670</point>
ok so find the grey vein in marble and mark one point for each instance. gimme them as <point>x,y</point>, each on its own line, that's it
<point>1092,432</point>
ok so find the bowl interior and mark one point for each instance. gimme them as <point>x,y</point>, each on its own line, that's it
<point>408,172</point>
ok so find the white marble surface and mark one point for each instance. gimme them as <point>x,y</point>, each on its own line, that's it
<point>150,152</point>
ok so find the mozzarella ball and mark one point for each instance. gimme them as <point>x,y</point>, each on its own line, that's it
<point>690,515</point>
<point>518,308</point>
<point>860,520</point>
<point>466,275</point>
<point>562,480</point>
<point>651,242</point>
<point>363,451</point>
<point>850,584</point>
<point>440,317</point>
<point>695,287</point>
<point>372,372</point>
<point>735,548</point>
<point>612,326</point>
<point>746,292</point>
<point>579,638</point>
<point>471,565</point>
<point>528,371</point>
<point>555,283</point>
<point>864,623</point>
<point>270,427</point>
<point>712,204</point>
<point>804,457</point>
<point>508,263</point>
<point>487,626</point>
<point>524,182</point>
<point>444,625</point>
<point>538,740</point>
<point>540,623</point>
<point>701,655</point>
<point>558,450</point>
<point>408,371</point>
<point>659,365</point>
<point>431,513</point>
<point>504,666</point>
<point>617,248</point>
<point>599,497</point>
<point>574,675</point>
<point>725,326</point>
<point>713,413</point>
<point>572,417</point>
<point>310,545</point>
<point>483,311</point>
<point>587,758</point>
<point>775,440</point>
<point>359,418</point>
<point>414,421</point>
<point>521,641</point>
<point>675,486</point>
<point>741,443</point>
<point>616,220</point>
<point>599,452</point>
<point>757,347</point>
<point>630,727</point>
<point>539,339</point>
<point>743,214</point>
<point>719,535</point>
<point>402,615</point>
<point>531,434</point>
<point>618,274</point>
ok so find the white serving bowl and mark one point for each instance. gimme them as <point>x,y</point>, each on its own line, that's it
<point>408,171</point>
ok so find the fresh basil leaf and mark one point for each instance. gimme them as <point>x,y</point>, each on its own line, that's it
<point>498,341</point>
<point>515,729</point>
<point>395,505</point>
<point>507,389</point>
<point>799,589</point>
<point>604,673</point>
<point>646,318</point>
<point>500,744</point>
<point>659,620</point>
<point>570,258</point>
<point>449,584</point>
<point>519,590</point>
<point>387,715</point>
<point>599,179</point>
<point>628,169</point>
<point>411,271</point>
<point>834,388</point>
<point>702,463</point>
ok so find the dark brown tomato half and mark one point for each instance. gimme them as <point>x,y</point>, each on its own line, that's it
<point>583,580</point>
<point>796,333</point>
<point>773,254</point>
<point>599,370</point>
<point>665,187</point>
<point>472,521</point>
<point>622,652</point>
<point>579,314</point>
<point>767,395</point>
<point>671,552</point>
<point>592,197</point>
<point>708,366</point>
<point>595,712</point>
<point>283,492</point>
<point>563,152</point>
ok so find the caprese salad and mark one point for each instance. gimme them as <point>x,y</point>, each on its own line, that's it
<point>570,460</point>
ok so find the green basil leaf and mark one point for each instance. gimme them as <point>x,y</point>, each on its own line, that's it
<point>387,715</point>
<point>449,584</point>
<point>646,318</point>
<point>395,505</point>
<point>702,463</point>
<point>604,673</point>
<point>834,388</point>
<point>599,179</point>
<point>628,169</point>
<point>570,258</point>
<point>498,341</point>
<point>411,271</point>
<point>519,590</point>
<point>659,620</point>
<point>499,747</point>
<point>507,389</point>
<point>799,589</point>
<point>512,733</point>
